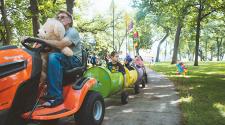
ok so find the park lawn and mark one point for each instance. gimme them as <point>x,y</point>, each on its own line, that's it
<point>202,93</point>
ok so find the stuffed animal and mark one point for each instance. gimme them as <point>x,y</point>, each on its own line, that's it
<point>52,30</point>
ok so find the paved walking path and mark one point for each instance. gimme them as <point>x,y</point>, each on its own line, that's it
<point>155,105</point>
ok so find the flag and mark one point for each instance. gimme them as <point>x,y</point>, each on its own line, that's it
<point>136,44</point>
<point>136,35</point>
<point>130,26</point>
<point>126,19</point>
<point>136,39</point>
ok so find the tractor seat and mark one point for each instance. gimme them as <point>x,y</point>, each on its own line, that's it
<point>71,75</point>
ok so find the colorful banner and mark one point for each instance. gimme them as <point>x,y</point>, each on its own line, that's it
<point>136,34</point>
<point>136,39</point>
<point>130,26</point>
<point>126,19</point>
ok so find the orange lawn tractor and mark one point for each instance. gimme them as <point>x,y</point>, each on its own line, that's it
<point>20,90</point>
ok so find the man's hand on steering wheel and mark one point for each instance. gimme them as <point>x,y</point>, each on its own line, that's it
<point>46,49</point>
<point>34,44</point>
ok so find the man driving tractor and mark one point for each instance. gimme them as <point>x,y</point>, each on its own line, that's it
<point>58,62</point>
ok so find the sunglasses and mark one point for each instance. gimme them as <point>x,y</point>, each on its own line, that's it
<point>62,17</point>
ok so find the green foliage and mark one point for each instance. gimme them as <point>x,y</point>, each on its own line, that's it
<point>48,9</point>
<point>153,19</point>
<point>145,33</point>
<point>19,13</point>
<point>166,14</point>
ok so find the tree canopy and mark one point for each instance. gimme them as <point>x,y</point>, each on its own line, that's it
<point>195,28</point>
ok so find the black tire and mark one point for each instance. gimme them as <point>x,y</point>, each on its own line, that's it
<point>136,89</point>
<point>144,80</point>
<point>22,103</point>
<point>142,84</point>
<point>124,97</point>
<point>93,103</point>
<point>14,120</point>
<point>50,122</point>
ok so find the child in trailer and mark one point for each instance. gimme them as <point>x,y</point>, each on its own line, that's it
<point>115,65</point>
<point>138,61</point>
<point>181,69</point>
<point>128,61</point>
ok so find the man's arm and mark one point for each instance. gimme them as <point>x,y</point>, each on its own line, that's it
<point>65,42</point>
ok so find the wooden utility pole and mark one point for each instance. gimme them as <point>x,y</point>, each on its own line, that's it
<point>113,22</point>
<point>70,5</point>
<point>35,16</point>
<point>5,23</point>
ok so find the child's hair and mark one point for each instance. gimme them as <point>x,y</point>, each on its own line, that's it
<point>113,53</point>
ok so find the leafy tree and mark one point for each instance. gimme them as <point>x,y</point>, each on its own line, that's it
<point>144,29</point>
<point>160,17</point>
<point>181,10</point>
<point>6,32</point>
<point>204,8</point>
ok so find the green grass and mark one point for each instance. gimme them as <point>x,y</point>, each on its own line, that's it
<point>202,93</point>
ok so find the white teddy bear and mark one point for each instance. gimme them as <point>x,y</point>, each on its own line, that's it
<point>52,30</point>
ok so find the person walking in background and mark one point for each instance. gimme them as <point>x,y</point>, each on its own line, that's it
<point>152,60</point>
<point>94,60</point>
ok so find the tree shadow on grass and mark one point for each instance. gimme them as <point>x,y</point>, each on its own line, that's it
<point>207,91</point>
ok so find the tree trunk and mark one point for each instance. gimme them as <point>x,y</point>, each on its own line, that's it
<point>176,42</point>
<point>2,37</point>
<point>189,55</point>
<point>158,48</point>
<point>35,16</point>
<point>179,54</point>
<point>222,50</point>
<point>201,55</point>
<point>165,51</point>
<point>70,5</point>
<point>218,44</point>
<point>211,53</point>
<point>5,23</point>
<point>218,49</point>
<point>198,28</point>
<point>206,50</point>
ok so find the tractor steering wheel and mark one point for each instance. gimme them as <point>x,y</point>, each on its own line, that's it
<point>29,42</point>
